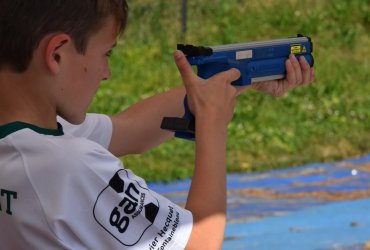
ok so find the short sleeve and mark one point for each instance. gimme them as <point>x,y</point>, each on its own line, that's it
<point>96,127</point>
<point>97,204</point>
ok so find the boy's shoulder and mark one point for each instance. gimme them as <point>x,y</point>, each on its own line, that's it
<point>96,127</point>
<point>68,143</point>
<point>54,151</point>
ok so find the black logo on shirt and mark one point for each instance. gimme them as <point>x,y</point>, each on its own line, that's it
<point>126,208</point>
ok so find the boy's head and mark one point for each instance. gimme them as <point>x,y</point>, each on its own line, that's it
<point>23,23</point>
<point>54,54</point>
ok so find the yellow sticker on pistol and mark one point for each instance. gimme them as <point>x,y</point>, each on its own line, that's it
<point>295,49</point>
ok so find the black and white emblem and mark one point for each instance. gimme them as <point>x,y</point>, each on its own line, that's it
<point>126,208</point>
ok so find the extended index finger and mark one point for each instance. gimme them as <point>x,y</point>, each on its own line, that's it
<point>185,69</point>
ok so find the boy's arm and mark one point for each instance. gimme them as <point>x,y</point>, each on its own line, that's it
<point>212,102</point>
<point>137,129</point>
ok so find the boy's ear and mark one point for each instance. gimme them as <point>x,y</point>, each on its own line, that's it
<point>55,50</point>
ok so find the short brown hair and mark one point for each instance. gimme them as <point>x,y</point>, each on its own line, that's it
<point>23,23</point>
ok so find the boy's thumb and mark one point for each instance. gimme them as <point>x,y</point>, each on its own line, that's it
<point>183,66</point>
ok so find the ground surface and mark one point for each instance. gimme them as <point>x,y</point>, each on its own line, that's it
<point>313,207</point>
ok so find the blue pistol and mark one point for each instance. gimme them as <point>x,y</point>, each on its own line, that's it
<point>256,61</point>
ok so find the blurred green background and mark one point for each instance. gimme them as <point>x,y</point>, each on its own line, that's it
<point>326,121</point>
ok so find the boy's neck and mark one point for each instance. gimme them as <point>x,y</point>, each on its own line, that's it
<point>22,98</point>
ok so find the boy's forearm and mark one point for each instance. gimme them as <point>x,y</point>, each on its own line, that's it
<point>207,195</point>
<point>143,121</point>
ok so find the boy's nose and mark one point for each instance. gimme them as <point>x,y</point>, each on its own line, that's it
<point>107,73</point>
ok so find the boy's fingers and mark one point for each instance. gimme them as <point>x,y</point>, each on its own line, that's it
<point>306,71</point>
<point>291,77</point>
<point>232,75</point>
<point>297,68</point>
<point>186,72</point>
<point>229,75</point>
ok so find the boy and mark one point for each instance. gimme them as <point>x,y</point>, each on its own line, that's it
<point>61,183</point>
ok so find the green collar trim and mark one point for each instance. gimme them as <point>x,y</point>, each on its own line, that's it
<point>10,128</point>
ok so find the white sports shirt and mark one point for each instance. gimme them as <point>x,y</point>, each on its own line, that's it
<point>62,189</point>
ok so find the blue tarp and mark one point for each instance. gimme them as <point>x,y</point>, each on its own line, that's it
<point>340,225</point>
<point>317,206</point>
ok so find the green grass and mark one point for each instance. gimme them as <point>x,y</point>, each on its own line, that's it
<point>326,121</point>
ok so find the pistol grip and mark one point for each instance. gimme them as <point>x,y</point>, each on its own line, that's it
<point>183,127</point>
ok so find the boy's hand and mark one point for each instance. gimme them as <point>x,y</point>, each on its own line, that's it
<point>299,73</point>
<point>213,98</point>
<point>212,102</point>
